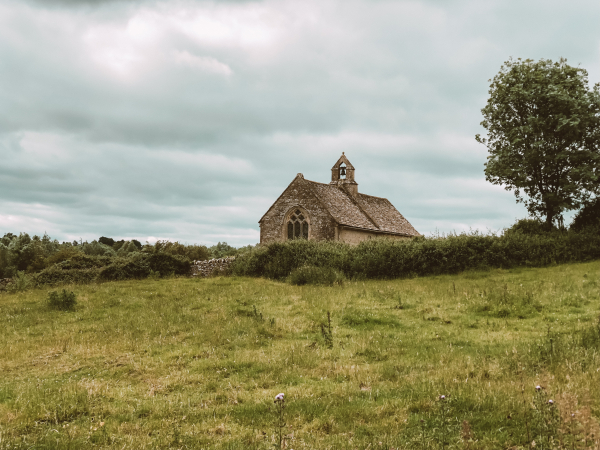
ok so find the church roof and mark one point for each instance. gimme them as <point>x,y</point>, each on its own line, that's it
<point>363,211</point>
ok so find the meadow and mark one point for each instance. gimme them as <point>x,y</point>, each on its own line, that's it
<point>448,361</point>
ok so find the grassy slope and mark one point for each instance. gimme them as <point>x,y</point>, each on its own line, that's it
<point>185,363</point>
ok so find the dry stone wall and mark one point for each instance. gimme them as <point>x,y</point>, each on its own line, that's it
<point>212,266</point>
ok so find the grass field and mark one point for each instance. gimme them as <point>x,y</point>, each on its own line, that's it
<point>196,363</point>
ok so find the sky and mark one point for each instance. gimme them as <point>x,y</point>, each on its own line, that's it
<point>185,120</point>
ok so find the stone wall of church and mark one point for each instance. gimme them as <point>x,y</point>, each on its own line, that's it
<point>322,226</point>
<point>355,237</point>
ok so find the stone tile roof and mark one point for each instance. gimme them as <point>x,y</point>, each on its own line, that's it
<point>364,211</point>
<point>385,215</point>
<point>341,206</point>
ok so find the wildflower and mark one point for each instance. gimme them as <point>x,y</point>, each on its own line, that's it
<point>442,397</point>
<point>279,398</point>
<point>551,402</point>
<point>537,388</point>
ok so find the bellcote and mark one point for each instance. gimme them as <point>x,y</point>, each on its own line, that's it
<point>342,174</point>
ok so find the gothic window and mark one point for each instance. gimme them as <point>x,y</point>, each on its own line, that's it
<point>297,226</point>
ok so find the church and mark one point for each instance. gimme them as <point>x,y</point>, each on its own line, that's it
<point>335,211</point>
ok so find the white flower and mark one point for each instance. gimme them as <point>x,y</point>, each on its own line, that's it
<point>551,402</point>
<point>279,397</point>
<point>538,387</point>
<point>442,397</point>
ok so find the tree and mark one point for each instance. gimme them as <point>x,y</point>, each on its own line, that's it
<point>543,125</point>
<point>587,217</point>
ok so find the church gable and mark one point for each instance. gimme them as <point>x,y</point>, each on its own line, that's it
<point>274,225</point>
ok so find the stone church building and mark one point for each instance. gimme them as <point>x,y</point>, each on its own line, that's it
<point>334,211</point>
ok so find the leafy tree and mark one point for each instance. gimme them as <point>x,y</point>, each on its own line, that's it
<point>107,241</point>
<point>222,249</point>
<point>587,217</point>
<point>543,125</point>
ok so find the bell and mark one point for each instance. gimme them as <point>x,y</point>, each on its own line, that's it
<point>343,171</point>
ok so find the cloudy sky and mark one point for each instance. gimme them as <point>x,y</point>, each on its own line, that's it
<point>185,120</point>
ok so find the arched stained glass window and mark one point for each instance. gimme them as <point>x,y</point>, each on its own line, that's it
<point>297,226</point>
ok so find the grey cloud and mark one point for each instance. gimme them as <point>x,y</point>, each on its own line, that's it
<point>162,131</point>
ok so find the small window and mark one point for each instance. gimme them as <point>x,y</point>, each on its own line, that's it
<point>297,226</point>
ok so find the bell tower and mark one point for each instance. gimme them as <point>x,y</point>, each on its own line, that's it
<point>342,175</point>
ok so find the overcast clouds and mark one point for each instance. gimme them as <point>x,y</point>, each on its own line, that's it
<point>186,119</point>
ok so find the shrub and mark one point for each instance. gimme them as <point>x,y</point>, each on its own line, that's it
<point>193,252</point>
<point>587,217</point>
<point>63,254</point>
<point>20,282</point>
<point>53,276</point>
<point>95,248</point>
<point>107,241</point>
<point>316,275</point>
<point>63,301</point>
<point>83,261</point>
<point>124,270</point>
<point>384,258</point>
<point>167,264</point>
<point>527,226</point>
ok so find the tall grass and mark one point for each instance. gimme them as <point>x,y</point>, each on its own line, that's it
<point>384,258</point>
<point>195,363</point>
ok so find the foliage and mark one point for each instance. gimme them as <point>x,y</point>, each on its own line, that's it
<point>20,282</point>
<point>187,363</point>
<point>587,217</point>
<point>95,248</point>
<point>55,276</point>
<point>543,127</point>
<point>384,258</point>
<point>107,241</point>
<point>316,275</point>
<point>125,269</point>
<point>63,301</point>
<point>221,250</point>
<point>527,226</point>
<point>193,252</point>
<point>66,253</point>
<point>168,264</point>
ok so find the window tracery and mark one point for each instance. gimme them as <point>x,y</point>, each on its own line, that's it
<point>297,226</point>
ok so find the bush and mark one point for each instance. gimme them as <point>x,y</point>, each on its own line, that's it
<point>385,258</point>
<point>125,270</point>
<point>527,226</point>
<point>95,248</point>
<point>587,217</point>
<point>316,275</point>
<point>167,264</point>
<point>83,261</point>
<point>64,301</point>
<point>63,254</point>
<point>54,276</point>
<point>20,282</point>
<point>107,241</point>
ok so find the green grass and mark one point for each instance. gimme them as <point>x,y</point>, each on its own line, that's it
<point>196,363</point>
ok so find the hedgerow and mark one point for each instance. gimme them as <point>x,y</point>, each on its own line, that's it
<point>385,258</point>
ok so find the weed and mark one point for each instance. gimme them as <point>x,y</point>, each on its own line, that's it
<point>63,301</point>
<point>327,332</point>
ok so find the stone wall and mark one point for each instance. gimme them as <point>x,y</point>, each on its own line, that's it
<point>355,237</point>
<point>298,193</point>
<point>212,267</point>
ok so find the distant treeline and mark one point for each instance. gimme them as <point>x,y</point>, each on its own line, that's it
<point>42,260</point>
<point>526,244</point>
